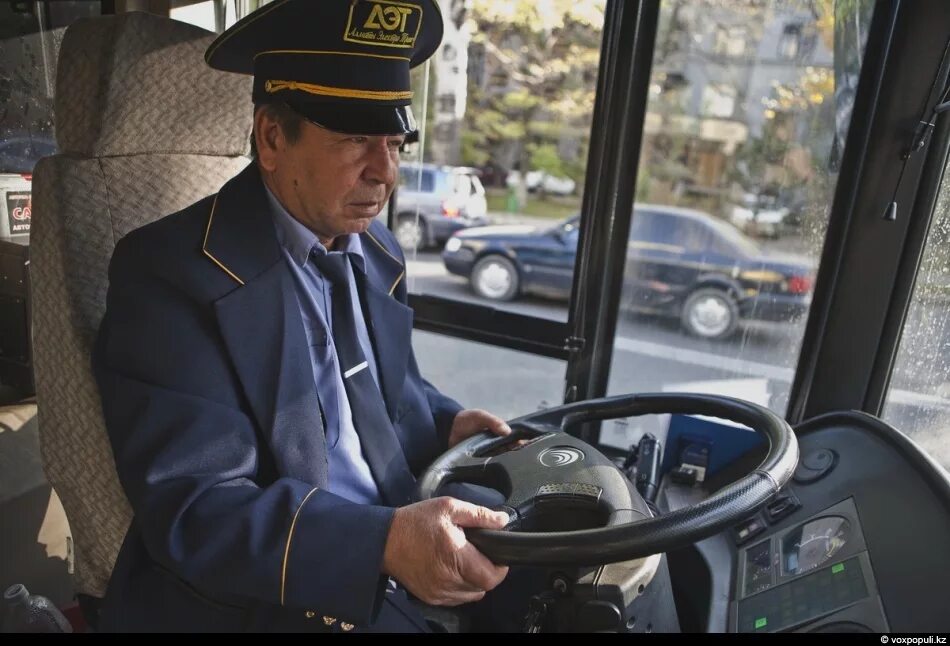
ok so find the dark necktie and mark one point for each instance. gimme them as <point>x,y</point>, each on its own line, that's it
<point>378,439</point>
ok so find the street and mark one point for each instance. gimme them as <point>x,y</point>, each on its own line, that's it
<point>651,354</point>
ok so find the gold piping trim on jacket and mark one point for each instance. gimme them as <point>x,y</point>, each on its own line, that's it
<point>386,251</point>
<point>263,13</point>
<point>204,245</point>
<point>393,288</point>
<point>325,90</point>
<point>321,51</point>
<point>290,535</point>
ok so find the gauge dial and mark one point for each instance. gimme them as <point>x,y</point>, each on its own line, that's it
<point>814,543</point>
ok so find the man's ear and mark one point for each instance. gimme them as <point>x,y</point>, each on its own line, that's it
<point>268,138</point>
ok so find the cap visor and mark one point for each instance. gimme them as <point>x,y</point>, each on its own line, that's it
<point>359,119</point>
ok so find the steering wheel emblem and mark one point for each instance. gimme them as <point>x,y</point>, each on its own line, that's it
<point>560,456</point>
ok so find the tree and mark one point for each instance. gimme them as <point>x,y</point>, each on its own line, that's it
<point>721,45</point>
<point>537,89</point>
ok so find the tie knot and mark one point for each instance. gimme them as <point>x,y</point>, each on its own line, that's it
<point>333,267</point>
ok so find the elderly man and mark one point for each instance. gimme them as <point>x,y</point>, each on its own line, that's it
<point>265,409</point>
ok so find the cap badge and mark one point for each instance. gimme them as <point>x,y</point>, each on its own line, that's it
<point>383,23</point>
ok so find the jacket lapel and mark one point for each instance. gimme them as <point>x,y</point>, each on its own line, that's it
<point>262,328</point>
<point>389,320</point>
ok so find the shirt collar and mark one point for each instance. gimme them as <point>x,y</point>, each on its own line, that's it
<point>300,242</point>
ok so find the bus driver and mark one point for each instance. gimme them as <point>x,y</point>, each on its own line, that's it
<point>264,406</point>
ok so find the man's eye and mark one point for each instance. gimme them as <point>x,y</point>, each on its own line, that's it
<point>359,140</point>
<point>396,144</point>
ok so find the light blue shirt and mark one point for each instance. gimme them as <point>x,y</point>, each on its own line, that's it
<point>350,475</point>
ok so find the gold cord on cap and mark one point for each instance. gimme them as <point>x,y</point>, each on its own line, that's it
<point>323,90</point>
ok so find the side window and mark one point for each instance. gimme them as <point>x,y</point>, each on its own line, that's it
<point>717,245</point>
<point>11,156</point>
<point>918,397</point>
<point>642,226</point>
<point>463,184</point>
<point>663,230</point>
<point>477,187</point>
<point>408,178</point>
<point>19,149</point>
<point>428,181</point>
<point>690,235</point>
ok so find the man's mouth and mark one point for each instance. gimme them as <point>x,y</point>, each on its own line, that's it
<point>366,207</point>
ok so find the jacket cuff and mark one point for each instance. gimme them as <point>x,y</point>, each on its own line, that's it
<point>334,556</point>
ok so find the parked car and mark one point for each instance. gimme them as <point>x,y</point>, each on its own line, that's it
<point>761,215</point>
<point>680,262</point>
<point>537,179</point>
<point>766,223</point>
<point>433,202</point>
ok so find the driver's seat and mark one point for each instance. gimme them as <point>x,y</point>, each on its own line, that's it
<point>145,128</point>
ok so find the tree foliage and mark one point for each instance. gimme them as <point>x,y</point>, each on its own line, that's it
<point>541,60</point>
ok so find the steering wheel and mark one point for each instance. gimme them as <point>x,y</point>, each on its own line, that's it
<point>548,477</point>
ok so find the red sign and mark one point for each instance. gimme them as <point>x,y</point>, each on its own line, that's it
<point>19,212</point>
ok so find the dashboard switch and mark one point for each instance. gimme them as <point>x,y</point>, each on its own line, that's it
<point>781,505</point>
<point>748,529</point>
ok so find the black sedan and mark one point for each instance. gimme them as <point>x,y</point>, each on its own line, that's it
<point>680,262</point>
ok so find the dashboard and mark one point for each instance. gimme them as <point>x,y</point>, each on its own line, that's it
<point>858,540</point>
<point>819,569</point>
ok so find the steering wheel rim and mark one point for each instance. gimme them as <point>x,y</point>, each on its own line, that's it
<point>624,540</point>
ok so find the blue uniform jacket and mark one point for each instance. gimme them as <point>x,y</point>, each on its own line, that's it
<point>214,419</point>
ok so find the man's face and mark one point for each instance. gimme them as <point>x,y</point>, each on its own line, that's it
<point>334,183</point>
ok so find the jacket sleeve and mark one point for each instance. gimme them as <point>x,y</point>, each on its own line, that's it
<point>444,409</point>
<point>200,480</point>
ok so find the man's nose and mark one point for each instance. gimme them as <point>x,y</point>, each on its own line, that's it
<point>381,165</point>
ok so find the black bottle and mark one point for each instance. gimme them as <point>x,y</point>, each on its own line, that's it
<point>31,613</point>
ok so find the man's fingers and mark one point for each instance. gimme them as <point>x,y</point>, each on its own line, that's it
<point>495,424</point>
<point>482,419</point>
<point>465,514</point>
<point>476,569</point>
<point>456,598</point>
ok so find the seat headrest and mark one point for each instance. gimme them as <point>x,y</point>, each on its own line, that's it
<point>137,83</point>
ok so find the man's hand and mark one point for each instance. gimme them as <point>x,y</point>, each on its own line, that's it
<point>427,551</point>
<point>469,422</point>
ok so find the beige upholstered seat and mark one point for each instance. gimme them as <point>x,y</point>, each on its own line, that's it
<point>145,128</point>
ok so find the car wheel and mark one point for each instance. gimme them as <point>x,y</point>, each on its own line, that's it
<point>496,278</point>
<point>411,233</point>
<point>710,313</point>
